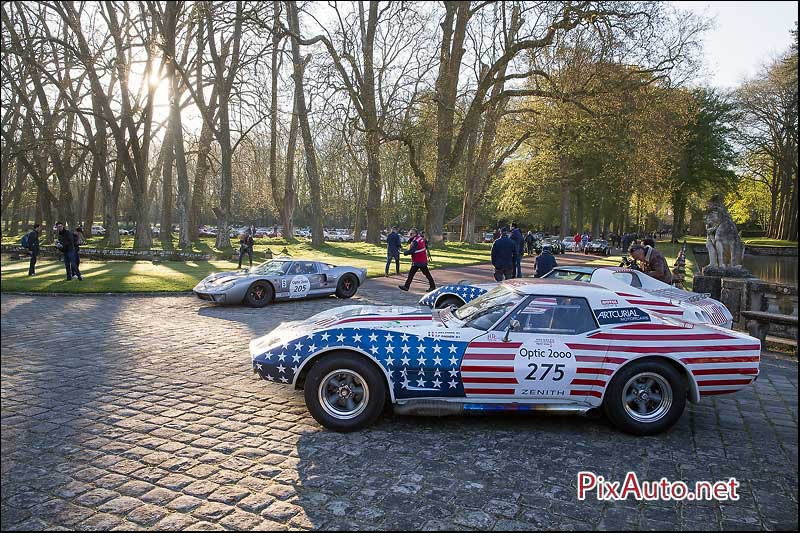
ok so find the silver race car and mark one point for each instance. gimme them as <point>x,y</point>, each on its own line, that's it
<point>280,279</point>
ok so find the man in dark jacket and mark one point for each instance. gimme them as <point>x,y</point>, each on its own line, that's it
<point>245,247</point>
<point>66,243</point>
<point>393,250</point>
<point>652,262</point>
<point>519,240</point>
<point>545,262</point>
<point>504,256</point>
<point>419,260</point>
<point>33,246</point>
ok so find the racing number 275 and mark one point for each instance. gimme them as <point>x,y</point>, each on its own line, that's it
<point>557,375</point>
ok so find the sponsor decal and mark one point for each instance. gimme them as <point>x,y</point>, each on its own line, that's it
<point>621,316</point>
<point>609,302</point>
<point>544,368</point>
<point>299,287</point>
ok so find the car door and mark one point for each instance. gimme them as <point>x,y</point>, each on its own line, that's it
<point>547,357</point>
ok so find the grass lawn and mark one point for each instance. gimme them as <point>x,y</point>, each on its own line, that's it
<point>174,276</point>
<point>670,252</point>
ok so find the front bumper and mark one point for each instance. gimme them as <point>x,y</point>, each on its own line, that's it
<point>215,297</point>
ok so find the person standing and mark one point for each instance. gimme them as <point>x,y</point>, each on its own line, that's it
<point>529,242</point>
<point>32,244</point>
<point>545,262</point>
<point>393,251</point>
<point>245,247</point>
<point>519,240</point>
<point>66,243</point>
<point>584,241</point>
<point>577,240</point>
<point>419,260</point>
<point>504,260</point>
<point>80,240</point>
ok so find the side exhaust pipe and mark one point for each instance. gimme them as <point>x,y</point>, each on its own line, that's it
<point>441,408</point>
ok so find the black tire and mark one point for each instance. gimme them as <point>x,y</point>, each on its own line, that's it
<point>339,366</point>
<point>666,381</point>
<point>447,301</point>
<point>347,286</point>
<point>259,294</point>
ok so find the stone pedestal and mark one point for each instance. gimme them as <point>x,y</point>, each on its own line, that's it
<point>708,284</point>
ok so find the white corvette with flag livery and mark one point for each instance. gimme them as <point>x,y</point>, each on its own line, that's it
<point>526,345</point>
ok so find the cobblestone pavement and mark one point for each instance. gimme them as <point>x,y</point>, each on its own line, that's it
<point>142,412</point>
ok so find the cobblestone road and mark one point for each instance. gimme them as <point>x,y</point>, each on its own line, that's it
<point>142,412</point>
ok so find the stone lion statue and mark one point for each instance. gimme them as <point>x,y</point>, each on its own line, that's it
<point>725,248</point>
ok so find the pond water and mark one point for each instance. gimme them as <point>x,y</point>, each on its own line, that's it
<point>765,267</point>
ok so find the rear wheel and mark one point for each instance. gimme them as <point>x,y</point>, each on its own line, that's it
<point>344,392</point>
<point>347,286</point>
<point>645,398</point>
<point>447,301</point>
<point>259,294</point>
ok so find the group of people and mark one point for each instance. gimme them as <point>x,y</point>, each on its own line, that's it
<point>508,250</point>
<point>68,242</point>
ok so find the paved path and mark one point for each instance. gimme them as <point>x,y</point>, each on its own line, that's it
<point>142,412</point>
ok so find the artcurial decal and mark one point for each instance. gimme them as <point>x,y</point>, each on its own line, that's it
<point>621,316</point>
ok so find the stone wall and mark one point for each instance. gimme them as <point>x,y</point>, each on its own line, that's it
<point>749,294</point>
<point>784,251</point>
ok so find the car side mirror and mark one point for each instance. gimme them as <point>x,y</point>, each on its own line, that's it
<point>513,325</point>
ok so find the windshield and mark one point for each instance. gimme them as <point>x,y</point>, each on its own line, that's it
<point>491,305</point>
<point>272,267</point>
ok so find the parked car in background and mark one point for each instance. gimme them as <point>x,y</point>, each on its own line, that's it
<point>207,231</point>
<point>98,230</point>
<point>280,279</point>
<point>568,244</point>
<point>598,246</point>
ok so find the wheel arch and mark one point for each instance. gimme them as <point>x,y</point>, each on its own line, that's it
<point>691,383</point>
<point>447,295</point>
<point>262,280</point>
<point>306,366</point>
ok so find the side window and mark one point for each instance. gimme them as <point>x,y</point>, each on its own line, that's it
<point>307,267</point>
<point>556,315</point>
<point>635,280</point>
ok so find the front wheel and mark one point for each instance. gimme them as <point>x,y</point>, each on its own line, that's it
<point>259,294</point>
<point>645,397</point>
<point>344,392</point>
<point>347,286</point>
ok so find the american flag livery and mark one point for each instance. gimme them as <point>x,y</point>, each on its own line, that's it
<point>465,292</point>
<point>488,369</point>
<point>720,363</point>
<point>416,366</point>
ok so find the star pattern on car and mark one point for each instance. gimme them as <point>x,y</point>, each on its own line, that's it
<point>465,292</point>
<point>429,368</point>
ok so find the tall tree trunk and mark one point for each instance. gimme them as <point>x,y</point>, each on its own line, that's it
<point>200,176</point>
<point>165,234</point>
<point>470,179</point>
<point>91,194</point>
<point>289,196</point>
<point>565,194</point>
<point>308,143</point>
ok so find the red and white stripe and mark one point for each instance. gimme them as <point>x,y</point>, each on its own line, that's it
<point>719,362</point>
<point>487,369</point>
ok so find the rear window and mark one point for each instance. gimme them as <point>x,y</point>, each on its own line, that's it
<point>568,275</point>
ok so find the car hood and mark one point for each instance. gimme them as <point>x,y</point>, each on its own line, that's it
<point>351,316</point>
<point>220,278</point>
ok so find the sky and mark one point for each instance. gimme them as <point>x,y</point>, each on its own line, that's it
<point>745,36</point>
